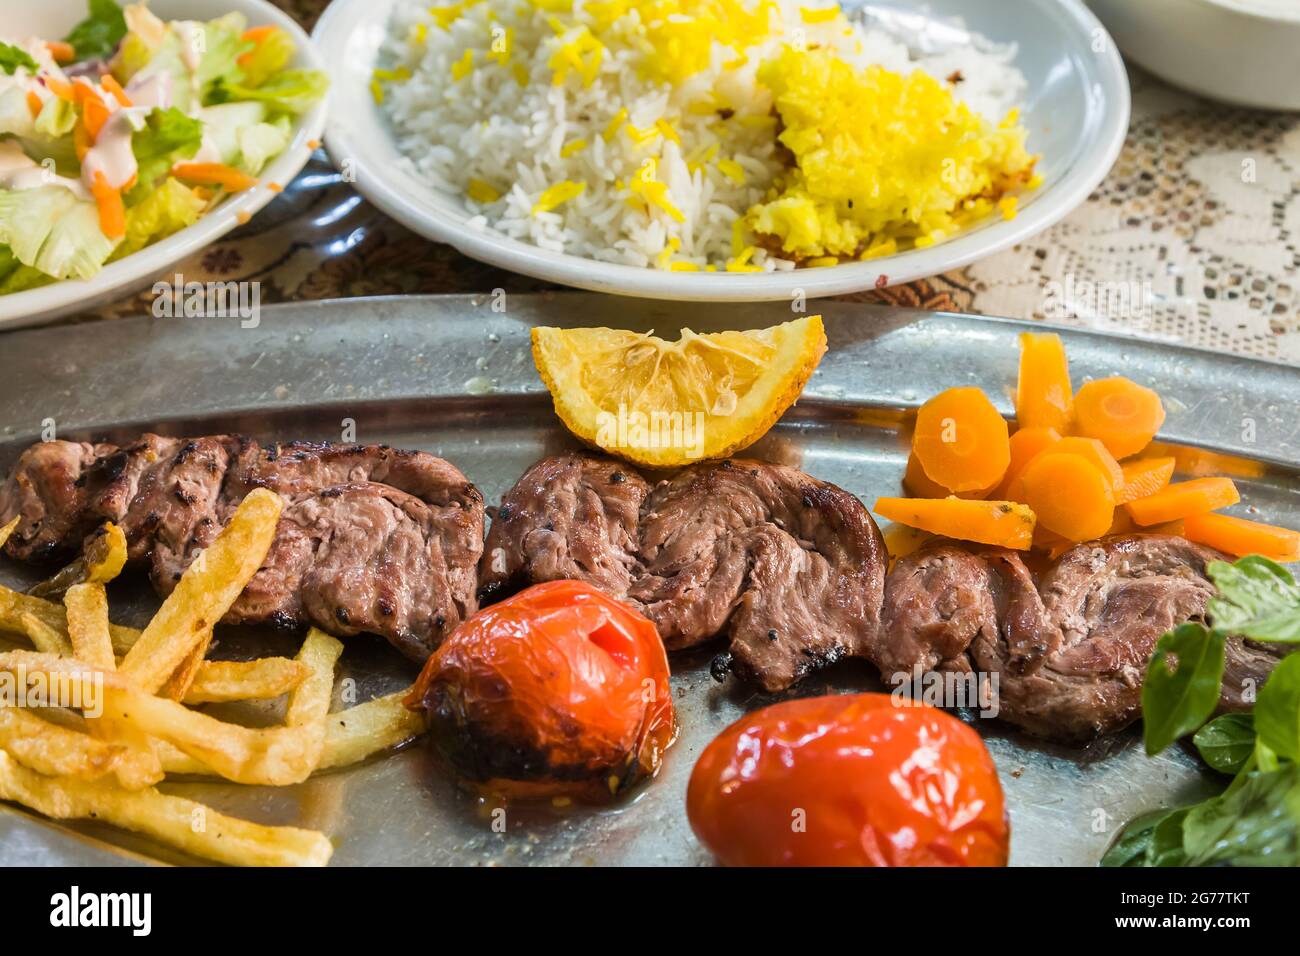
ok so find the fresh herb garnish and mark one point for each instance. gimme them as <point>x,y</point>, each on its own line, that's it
<point>1256,821</point>
<point>12,57</point>
<point>98,35</point>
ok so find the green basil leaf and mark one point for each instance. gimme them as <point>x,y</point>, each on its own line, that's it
<point>1254,824</point>
<point>1258,598</point>
<point>1167,841</point>
<point>1277,712</point>
<point>1176,702</point>
<point>1133,845</point>
<point>99,34</point>
<point>1227,742</point>
<point>12,57</point>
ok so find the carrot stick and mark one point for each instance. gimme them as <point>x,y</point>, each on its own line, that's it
<point>115,89</point>
<point>60,88</point>
<point>1070,495</point>
<point>1184,499</point>
<point>1043,396</point>
<point>254,35</point>
<point>60,51</point>
<point>1123,415</point>
<point>1002,523</point>
<point>961,441</point>
<point>34,103</point>
<point>1144,477</point>
<point>94,111</point>
<point>1240,537</point>
<point>112,211</point>
<point>213,174</point>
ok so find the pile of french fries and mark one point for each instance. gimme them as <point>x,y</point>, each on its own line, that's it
<point>104,761</point>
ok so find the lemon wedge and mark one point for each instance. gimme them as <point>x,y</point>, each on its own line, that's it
<point>663,404</point>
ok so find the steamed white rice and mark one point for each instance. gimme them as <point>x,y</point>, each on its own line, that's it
<point>471,96</point>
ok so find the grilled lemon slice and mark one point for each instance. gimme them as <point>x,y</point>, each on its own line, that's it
<point>663,404</point>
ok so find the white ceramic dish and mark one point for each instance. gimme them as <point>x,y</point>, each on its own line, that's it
<point>1245,52</point>
<point>1076,111</point>
<point>52,19</point>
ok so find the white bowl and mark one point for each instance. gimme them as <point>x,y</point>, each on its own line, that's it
<point>1076,111</point>
<point>1240,51</point>
<point>53,19</point>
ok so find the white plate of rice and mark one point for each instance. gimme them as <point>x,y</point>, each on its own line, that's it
<point>626,146</point>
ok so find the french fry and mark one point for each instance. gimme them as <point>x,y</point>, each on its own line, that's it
<point>274,756</point>
<point>7,530</point>
<point>45,638</point>
<point>87,617</point>
<point>184,824</point>
<point>359,732</point>
<point>262,679</point>
<point>101,561</point>
<point>179,683</point>
<point>13,605</point>
<point>205,592</point>
<point>351,736</point>
<point>52,749</point>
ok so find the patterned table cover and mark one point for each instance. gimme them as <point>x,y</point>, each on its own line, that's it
<point>1193,237</point>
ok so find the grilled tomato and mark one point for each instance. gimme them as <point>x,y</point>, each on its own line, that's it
<point>851,780</point>
<point>559,690</point>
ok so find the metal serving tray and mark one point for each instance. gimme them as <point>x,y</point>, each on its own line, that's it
<point>453,376</point>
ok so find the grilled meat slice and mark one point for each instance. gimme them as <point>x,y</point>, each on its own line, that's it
<point>572,516</point>
<point>372,538</point>
<point>1071,652</point>
<point>790,567</point>
<point>47,491</point>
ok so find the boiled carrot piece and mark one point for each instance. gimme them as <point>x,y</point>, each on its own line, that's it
<point>919,485</point>
<point>1144,477</point>
<point>1043,396</point>
<point>1002,523</point>
<point>1096,453</point>
<point>1184,499</point>
<point>1120,413</point>
<point>1070,495</point>
<point>961,441</point>
<point>1240,537</point>
<point>1026,445</point>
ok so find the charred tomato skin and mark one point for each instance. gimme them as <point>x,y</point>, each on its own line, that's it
<point>849,780</point>
<point>559,690</point>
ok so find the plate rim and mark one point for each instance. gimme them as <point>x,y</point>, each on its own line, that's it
<point>1110,103</point>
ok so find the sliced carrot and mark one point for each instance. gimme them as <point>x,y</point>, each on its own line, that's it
<point>112,211</point>
<point>900,540</point>
<point>1184,499</point>
<point>1096,453</point>
<point>60,51</point>
<point>254,35</point>
<point>1122,523</point>
<point>94,111</point>
<point>1002,523</point>
<point>1120,413</point>
<point>1043,396</point>
<point>919,485</point>
<point>1070,494</point>
<point>1144,477</point>
<point>961,441</point>
<point>60,88</point>
<point>1240,537</point>
<point>80,141</point>
<point>34,103</point>
<point>1026,445</point>
<point>115,90</point>
<point>213,174</point>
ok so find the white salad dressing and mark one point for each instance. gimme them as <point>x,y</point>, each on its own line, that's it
<point>151,92</point>
<point>18,171</point>
<point>112,154</point>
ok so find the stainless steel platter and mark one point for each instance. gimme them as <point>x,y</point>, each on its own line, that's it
<point>453,375</point>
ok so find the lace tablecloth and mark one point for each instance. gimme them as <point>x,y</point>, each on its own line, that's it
<point>1194,236</point>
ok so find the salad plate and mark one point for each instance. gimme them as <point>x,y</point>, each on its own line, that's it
<point>1075,109</point>
<point>284,140</point>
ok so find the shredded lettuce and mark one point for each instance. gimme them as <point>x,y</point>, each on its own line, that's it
<point>12,57</point>
<point>50,229</point>
<point>168,209</point>
<point>292,91</point>
<point>271,55</point>
<point>223,44</point>
<point>167,137</point>
<point>99,34</point>
<point>243,136</point>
